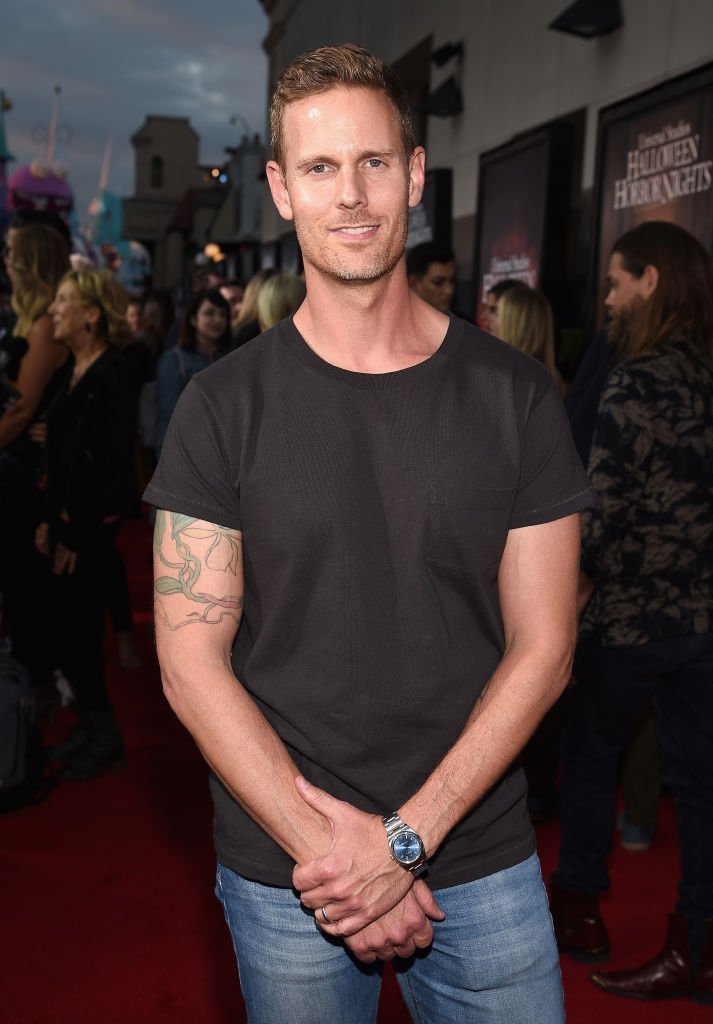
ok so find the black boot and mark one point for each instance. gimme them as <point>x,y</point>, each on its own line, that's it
<point>579,928</point>
<point>666,976</point>
<point>703,977</point>
<point>103,751</point>
<point>77,738</point>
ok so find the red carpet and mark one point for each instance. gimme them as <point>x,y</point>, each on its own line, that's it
<point>106,907</point>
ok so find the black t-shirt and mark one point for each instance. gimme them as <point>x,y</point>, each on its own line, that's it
<point>374,510</point>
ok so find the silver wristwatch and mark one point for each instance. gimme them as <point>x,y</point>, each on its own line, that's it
<point>406,846</point>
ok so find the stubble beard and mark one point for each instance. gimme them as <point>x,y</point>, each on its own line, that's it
<point>381,261</point>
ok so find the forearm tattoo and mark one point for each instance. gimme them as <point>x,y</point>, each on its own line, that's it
<point>203,582</point>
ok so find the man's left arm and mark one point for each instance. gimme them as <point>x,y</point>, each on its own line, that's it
<point>538,594</point>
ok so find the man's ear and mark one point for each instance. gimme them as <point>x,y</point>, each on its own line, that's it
<point>278,190</point>
<point>416,175</point>
<point>649,280</point>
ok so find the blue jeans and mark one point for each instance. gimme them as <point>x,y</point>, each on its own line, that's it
<point>613,684</point>
<point>493,959</point>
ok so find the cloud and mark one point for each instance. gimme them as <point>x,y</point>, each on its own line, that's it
<point>119,60</point>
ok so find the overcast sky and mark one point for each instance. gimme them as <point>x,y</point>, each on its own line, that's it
<point>118,60</point>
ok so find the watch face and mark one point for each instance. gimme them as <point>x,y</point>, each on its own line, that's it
<point>407,847</point>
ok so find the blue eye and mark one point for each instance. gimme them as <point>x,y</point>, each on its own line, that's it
<point>375,162</point>
<point>319,168</point>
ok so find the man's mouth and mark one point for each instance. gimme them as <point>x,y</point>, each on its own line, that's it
<point>361,229</point>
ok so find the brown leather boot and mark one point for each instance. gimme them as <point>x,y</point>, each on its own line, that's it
<point>703,978</point>
<point>579,928</point>
<point>668,975</point>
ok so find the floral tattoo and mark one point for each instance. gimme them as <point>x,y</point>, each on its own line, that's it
<point>203,558</point>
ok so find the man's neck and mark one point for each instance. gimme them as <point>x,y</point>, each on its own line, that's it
<point>374,327</point>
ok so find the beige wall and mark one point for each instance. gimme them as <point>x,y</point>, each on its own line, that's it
<point>516,73</point>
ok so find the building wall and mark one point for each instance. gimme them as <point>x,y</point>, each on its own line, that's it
<point>148,213</point>
<point>239,217</point>
<point>516,73</point>
<point>175,143</point>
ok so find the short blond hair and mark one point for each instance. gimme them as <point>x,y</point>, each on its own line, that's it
<point>327,68</point>
<point>279,296</point>
<point>100,288</point>
<point>526,323</point>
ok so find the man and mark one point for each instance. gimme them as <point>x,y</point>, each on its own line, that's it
<point>648,628</point>
<point>233,291</point>
<point>388,497</point>
<point>492,303</point>
<point>431,272</point>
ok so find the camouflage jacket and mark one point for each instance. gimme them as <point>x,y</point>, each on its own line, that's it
<point>648,543</point>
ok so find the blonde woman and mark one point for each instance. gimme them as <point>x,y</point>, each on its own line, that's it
<point>36,257</point>
<point>526,323</point>
<point>246,326</point>
<point>281,295</point>
<point>89,486</point>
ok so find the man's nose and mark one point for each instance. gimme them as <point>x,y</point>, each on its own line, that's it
<point>350,188</point>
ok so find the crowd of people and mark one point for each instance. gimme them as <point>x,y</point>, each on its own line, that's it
<point>92,378</point>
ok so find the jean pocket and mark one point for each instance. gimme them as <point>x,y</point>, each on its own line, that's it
<point>467,531</point>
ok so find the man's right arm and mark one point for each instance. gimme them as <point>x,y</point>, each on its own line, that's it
<point>198,591</point>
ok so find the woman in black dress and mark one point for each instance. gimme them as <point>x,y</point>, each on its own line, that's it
<point>89,484</point>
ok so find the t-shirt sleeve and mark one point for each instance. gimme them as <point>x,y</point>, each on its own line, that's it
<point>194,474</point>
<point>552,482</point>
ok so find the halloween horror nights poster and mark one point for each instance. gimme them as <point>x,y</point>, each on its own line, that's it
<point>656,163</point>
<point>512,206</point>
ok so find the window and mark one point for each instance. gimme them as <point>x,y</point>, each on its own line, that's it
<point>156,172</point>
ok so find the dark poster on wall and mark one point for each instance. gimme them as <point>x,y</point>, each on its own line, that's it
<point>655,162</point>
<point>270,255</point>
<point>290,253</point>
<point>512,206</point>
<point>431,220</point>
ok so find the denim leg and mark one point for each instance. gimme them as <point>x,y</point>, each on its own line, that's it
<point>290,971</point>
<point>685,703</point>
<point>612,685</point>
<point>493,960</point>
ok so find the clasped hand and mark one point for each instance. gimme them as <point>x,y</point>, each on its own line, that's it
<point>370,901</point>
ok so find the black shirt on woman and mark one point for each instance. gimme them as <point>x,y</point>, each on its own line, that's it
<point>89,450</point>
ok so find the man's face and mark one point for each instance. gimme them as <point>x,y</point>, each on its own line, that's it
<point>133,316</point>
<point>437,285</point>
<point>625,292</point>
<point>347,183</point>
<point>234,297</point>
